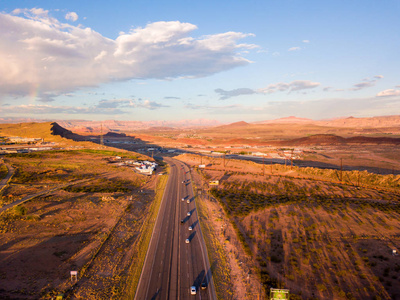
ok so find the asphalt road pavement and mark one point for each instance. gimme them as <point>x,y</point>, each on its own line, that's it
<point>177,257</point>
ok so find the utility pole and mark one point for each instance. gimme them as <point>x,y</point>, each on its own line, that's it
<point>263,166</point>
<point>224,160</point>
<point>101,135</point>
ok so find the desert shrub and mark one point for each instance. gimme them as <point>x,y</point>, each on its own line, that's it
<point>104,186</point>
<point>275,259</point>
<point>3,171</point>
<point>108,153</point>
<point>33,218</point>
<point>20,210</point>
<point>242,239</point>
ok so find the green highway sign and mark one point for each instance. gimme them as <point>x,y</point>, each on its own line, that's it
<point>279,294</point>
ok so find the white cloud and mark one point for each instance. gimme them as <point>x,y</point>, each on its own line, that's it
<point>150,104</point>
<point>362,85</point>
<point>39,54</point>
<point>314,109</point>
<point>306,41</point>
<point>293,86</point>
<point>129,103</point>
<point>233,93</point>
<point>50,110</point>
<point>366,83</point>
<point>294,49</point>
<point>213,109</point>
<point>71,16</point>
<point>103,107</point>
<point>388,93</point>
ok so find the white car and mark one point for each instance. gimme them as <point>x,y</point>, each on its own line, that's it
<point>188,213</point>
<point>183,199</point>
<point>190,228</point>
<point>187,241</point>
<point>193,290</point>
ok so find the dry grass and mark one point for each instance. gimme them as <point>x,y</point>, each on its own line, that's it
<point>50,235</point>
<point>306,231</point>
<point>220,268</point>
<point>3,170</point>
<point>30,130</point>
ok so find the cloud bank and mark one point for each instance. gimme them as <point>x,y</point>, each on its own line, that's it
<point>366,83</point>
<point>293,86</point>
<point>389,93</point>
<point>233,93</point>
<point>103,107</point>
<point>41,56</point>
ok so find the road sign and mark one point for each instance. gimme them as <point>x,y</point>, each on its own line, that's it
<point>279,294</point>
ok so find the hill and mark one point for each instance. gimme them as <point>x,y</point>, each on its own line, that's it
<point>330,139</point>
<point>50,132</point>
<point>291,119</point>
<point>372,122</point>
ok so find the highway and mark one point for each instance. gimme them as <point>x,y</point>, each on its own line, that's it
<point>172,266</point>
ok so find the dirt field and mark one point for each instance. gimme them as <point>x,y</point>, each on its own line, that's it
<point>320,238</point>
<point>91,227</point>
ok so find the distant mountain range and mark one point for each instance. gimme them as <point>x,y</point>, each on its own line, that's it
<point>85,126</point>
<point>379,121</point>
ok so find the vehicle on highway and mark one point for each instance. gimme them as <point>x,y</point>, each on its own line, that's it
<point>193,290</point>
<point>203,285</point>
<point>188,201</point>
<point>183,199</point>
<point>188,213</point>
<point>190,228</point>
<point>187,241</point>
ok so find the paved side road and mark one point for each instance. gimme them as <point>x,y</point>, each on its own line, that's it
<point>4,181</point>
<point>29,197</point>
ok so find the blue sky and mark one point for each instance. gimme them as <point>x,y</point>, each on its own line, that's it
<point>218,60</point>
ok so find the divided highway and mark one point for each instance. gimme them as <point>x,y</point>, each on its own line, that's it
<point>177,257</point>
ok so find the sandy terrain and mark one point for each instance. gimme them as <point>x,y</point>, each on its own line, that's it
<point>94,233</point>
<point>318,237</point>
